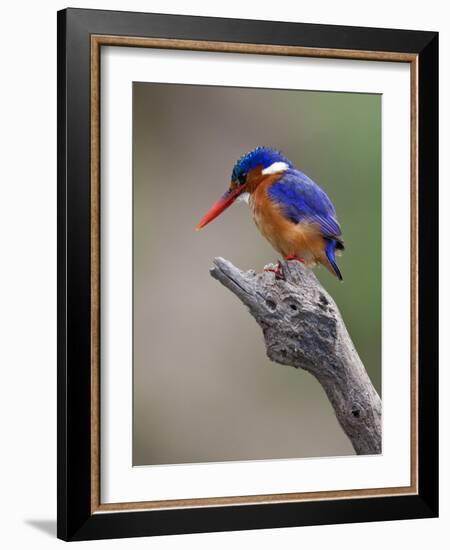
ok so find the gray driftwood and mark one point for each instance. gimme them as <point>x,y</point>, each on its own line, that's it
<point>303,328</point>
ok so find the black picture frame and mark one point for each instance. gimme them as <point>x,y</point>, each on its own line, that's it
<point>76,521</point>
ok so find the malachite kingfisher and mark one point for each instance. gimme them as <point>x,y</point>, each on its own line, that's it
<point>294,214</point>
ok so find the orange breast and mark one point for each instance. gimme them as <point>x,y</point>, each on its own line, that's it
<point>303,240</point>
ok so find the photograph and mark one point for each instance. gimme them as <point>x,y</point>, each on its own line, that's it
<point>256,177</point>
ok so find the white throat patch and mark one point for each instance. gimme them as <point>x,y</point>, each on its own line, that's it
<point>244,197</point>
<point>275,167</point>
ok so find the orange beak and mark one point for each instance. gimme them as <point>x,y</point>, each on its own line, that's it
<point>218,207</point>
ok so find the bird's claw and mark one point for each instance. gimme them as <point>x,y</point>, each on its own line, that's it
<point>278,270</point>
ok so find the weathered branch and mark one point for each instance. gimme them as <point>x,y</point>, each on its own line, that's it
<point>303,328</point>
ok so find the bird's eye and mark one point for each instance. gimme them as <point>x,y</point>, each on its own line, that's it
<point>242,177</point>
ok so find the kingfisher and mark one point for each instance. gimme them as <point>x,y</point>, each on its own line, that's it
<point>291,211</point>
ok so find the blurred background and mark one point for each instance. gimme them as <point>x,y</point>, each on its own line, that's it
<point>204,389</point>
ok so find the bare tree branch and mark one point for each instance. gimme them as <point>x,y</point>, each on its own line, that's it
<point>303,328</point>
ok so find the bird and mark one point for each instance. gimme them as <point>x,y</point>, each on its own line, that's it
<point>291,210</point>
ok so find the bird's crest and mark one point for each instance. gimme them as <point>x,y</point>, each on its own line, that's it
<point>261,156</point>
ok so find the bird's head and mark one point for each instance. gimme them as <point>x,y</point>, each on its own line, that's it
<point>245,176</point>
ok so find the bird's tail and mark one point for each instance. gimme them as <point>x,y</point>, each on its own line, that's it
<point>330,251</point>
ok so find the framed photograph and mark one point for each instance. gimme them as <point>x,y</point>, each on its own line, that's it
<point>279,367</point>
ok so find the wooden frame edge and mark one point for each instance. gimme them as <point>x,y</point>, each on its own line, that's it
<point>238,47</point>
<point>231,47</point>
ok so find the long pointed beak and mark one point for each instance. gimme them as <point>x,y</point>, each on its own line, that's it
<point>218,207</point>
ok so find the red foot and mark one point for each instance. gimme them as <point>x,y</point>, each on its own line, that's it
<point>279,274</point>
<point>294,257</point>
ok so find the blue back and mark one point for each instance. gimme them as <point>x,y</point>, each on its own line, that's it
<point>302,200</point>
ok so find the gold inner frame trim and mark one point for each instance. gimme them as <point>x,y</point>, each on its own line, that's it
<point>97,41</point>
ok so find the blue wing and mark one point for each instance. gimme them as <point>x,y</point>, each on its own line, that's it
<point>302,200</point>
